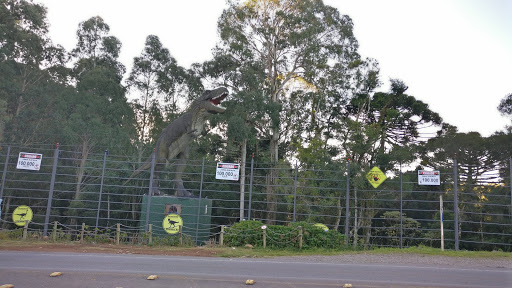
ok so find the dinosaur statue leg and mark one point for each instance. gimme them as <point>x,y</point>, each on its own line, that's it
<point>180,167</point>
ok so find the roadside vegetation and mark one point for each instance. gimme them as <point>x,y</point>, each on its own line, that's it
<point>232,248</point>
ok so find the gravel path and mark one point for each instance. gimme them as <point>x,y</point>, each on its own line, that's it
<point>407,259</point>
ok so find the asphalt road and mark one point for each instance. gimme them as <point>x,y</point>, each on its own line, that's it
<point>32,269</point>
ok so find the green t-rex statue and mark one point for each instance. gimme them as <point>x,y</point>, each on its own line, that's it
<point>174,142</point>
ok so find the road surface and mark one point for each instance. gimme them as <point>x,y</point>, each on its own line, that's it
<point>32,269</point>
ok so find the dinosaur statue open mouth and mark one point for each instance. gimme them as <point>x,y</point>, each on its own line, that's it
<point>216,101</point>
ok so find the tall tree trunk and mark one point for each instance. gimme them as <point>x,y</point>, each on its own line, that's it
<point>368,236</point>
<point>134,207</point>
<point>370,213</point>
<point>79,176</point>
<point>274,146</point>
<point>7,205</point>
<point>81,169</point>
<point>338,214</point>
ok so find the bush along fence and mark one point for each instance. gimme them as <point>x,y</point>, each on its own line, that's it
<point>301,235</point>
<point>470,207</point>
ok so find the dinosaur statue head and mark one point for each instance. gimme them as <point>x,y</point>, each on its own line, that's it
<point>211,99</point>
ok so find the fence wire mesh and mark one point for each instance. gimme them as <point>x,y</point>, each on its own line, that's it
<point>72,188</point>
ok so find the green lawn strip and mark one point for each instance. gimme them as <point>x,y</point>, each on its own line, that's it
<point>259,252</point>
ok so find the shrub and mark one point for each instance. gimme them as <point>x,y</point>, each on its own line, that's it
<point>282,237</point>
<point>245,232</point>
<point>316,237</point>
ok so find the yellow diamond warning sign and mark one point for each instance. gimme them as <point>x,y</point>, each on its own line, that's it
<point>172,223</point>
<point>375,177</point>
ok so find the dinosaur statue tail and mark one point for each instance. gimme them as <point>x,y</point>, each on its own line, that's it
<point>142,167</point>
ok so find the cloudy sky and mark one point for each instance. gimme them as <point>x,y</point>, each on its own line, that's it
<point>455,55</point>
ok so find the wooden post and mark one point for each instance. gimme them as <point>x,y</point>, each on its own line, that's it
<point>118,233</point>
<point>54,233</point>
<point>221,236</point>
<point>25,230</point>
<point>150,231</point>
<point>264,238</point>
<point>180,236</point>
<point>300,237</point>
<point>82,233</point>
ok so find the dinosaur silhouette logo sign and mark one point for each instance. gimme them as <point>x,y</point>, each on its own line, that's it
<point>21,215</point>
<point>376,177</point>
<point>172,223</point>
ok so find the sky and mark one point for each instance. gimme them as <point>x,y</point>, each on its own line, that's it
<point>454,55</point>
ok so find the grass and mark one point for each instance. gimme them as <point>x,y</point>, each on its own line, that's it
<point>257,252</point>
<point>421,250</point>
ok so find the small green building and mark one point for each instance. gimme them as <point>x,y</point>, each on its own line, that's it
<point>196,214</point>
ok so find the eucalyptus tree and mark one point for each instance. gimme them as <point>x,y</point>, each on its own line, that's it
<point>99,115</point>
<point>160,90</point>
<point>29,62</point>
<point>321,112</point>
<point>294,45</point>
<point>31,73</point>
<point>247,105</point>
<point>156,81</point>
<point>295,42</point>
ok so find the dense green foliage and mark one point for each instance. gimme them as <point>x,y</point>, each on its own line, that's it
<point>283,237</point>
<point>302,99</point>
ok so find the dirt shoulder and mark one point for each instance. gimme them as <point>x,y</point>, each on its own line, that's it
<point>360,257</point>
<point>77,247</point>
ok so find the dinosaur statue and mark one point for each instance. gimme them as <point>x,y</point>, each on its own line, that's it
<point>174,142</point>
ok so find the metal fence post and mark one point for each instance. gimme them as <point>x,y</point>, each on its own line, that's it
<point>4,174</point>
<point>347,204</point>
<point>250,189</point>
<point>150,193</point>
<point>441,221</point>
<point>242,182</point>
<point>199,203</point>
<point>52,186</point>
<point>295,192</point>
<point>510,183</point>
<point>101,188</point>
<point>401,209</point>
<point>455,203</point>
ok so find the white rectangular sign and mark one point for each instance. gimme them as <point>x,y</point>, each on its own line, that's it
<point>29,161</point>
<point>429,177</point>
<point>228,171</point>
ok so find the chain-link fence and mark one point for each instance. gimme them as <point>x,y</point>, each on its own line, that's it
<point>72,188</point>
